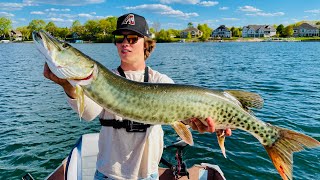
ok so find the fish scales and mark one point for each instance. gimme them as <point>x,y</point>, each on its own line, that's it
<point>165,104</point>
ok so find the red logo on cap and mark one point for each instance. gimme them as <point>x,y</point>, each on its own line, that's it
<point>129,20</point>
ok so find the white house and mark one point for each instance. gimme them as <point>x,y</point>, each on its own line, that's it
<point>305,30</point>
<point>258,31</point>
<point>222,32</point>
<point>16,35</point>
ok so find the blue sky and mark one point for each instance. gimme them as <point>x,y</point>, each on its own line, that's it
<point>174,14</point>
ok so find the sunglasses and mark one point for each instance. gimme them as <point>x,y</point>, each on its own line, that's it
<point>132,39</point>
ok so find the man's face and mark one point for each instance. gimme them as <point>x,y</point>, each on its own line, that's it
<point>130,47</point>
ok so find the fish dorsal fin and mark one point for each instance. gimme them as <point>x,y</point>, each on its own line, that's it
<point>247,99</point>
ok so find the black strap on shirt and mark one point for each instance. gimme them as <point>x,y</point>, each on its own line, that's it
<point>130,126</point>
<point>146,73</point>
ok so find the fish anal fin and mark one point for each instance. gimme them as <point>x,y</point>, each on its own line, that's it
<point>281,151</point>
<point>247,99</point>
<point>183,131</point>
<point>80,100</point>
<point>221,139</point>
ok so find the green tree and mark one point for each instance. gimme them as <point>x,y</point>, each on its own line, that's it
<point>63,32</point>
<point>236,32</point>
<point>5,25</point>
<point>206,30</point>
<point>92,29</point>
<point>152,30</point>
<point>288,31</point>
<point>190,25</point>
<point>77,27</point>
<point>163,36</point>
<point>189,35</point>
<point>51,28</point>
<point>112,24</point>
<point>318,23</point>
<point>25,31</point>
<point>280,30</point>
<point>36,25</point>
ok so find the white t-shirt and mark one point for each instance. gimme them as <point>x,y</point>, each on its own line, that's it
<point>124,155</point>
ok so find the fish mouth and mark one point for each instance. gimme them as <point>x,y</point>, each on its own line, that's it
<point>49,46</point>
<point>45,40</point>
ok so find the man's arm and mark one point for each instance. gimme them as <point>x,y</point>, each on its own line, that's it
<point>92,109</point>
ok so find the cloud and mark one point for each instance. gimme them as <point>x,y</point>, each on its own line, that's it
<point>266,14</point>
<point>59,20</point>
<point>180,1</point>
<point>208,3</point>
<point>198,2</point>
<point>314,11</point>
<point>6,14</point>
<point>163,9</point>
<point>57,10</point>
<point>224,8</point>
<point>258,12</point>
<point>65,2</point>
<point>249,9</point>
<point>11,6</point>
<point>230,19</point>
<point>90,16</point>
<point>37,12</point>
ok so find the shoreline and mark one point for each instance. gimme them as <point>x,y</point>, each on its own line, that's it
<point>215,41</point>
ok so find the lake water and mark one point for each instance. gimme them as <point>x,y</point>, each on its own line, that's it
<point>38,128</point>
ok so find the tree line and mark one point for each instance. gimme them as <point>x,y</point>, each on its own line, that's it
<point>100,30</point>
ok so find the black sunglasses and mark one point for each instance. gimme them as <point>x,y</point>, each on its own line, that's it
<point>132,39</point>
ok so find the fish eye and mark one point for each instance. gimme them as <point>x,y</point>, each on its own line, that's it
<point>65,45</point>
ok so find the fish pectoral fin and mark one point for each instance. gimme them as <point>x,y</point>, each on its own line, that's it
<point>80,100</point>
<point>221,138</point>
<point>183,131</point>
<point>247,99</point>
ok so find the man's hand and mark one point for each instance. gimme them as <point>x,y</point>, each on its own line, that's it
<point>197,125</point>
<point>68,88</point>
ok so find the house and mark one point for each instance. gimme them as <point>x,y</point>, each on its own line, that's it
<point>193,31</point>
<point>16,35</point>
<point>305,30</point>
<point>258,31</point>
<point>221,32</point>
<point>73,38</point>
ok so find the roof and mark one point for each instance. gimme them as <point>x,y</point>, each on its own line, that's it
<point>306,26</point>
<point>261,27</point>
<point>223,27</point>
<point>18,33</point>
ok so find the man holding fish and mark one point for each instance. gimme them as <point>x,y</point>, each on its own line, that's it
<point>127,149</point>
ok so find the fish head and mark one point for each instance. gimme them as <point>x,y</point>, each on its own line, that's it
<point>64,61</point>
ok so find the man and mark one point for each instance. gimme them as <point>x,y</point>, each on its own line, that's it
<point>126,153</point>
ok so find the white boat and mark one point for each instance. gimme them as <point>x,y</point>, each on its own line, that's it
<point>81,165</point>
<point>4,41</point>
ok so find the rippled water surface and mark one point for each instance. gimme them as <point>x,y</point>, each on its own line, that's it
<point>38,128</point>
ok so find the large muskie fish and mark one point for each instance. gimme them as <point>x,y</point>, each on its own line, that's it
<point>170,103</point>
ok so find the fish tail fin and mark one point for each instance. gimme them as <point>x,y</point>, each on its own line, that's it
<point>282,149</point>
<point>80,100</point>
<point>183,131</point>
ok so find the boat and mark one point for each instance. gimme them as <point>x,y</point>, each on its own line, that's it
<point>81,164</point>
<point>4,41</point>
